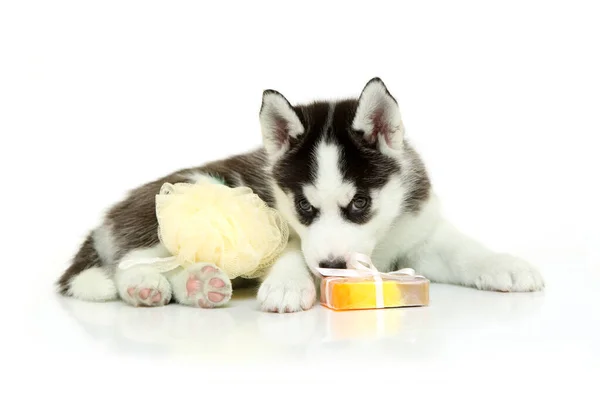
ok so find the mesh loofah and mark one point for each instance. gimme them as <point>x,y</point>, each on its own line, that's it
<point>230,227</point>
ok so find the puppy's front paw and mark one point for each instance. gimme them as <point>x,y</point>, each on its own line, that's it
<point>282,295</point>
<point>506,273</point>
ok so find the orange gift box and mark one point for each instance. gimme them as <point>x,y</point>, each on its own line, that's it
<point>359,288</point>
<point>358,293</point>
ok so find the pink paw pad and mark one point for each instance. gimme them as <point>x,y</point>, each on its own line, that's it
<point>208,269</point>
<point>216,282</point>
<point>215,297</point>
<point>207,286</point>
<point>193,285</point>
<point>145,296</point>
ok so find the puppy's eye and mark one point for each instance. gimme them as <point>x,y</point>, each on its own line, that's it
<point>359,203</point>
<point>306,212</point>
<point>305,206</point>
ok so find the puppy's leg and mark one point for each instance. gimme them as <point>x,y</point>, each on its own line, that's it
<point>449,256</point>
<point>200,285</point>
<point>88,277</point>
<point>143,285</point>
<point>289,285</point>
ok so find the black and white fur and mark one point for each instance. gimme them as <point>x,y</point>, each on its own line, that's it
<point>345,178</point>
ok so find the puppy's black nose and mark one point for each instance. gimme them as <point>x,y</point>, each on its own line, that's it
<point>338,263</point>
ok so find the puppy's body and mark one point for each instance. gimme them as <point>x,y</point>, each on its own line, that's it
<point>345,178</point>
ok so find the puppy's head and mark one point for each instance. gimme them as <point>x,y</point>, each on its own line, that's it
<point>339,170</point>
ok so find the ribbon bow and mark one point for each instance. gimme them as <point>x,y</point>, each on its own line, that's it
<point>162,264</point>
<point>360,265</point>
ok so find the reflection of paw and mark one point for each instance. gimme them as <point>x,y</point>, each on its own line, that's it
<point>278,294</point>
<point>144,287</point>
<point>506,273</point>
<point>147,326</point>
<point>202,285</point>
<point>290,329</point>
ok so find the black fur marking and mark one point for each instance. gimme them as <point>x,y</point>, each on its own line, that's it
<point>250,167</point>
<point>360,162</point>
<point>333,264</point>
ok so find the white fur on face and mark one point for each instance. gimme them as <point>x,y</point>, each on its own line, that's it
<point>331,236</point>
<point>329,191</point>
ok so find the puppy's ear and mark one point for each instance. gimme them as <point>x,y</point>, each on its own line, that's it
<point>279,123</point>
<point>378,117</point>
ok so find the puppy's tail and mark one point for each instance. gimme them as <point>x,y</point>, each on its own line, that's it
<point>86,278</point>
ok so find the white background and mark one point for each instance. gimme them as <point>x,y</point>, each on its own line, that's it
<point>502,99</point>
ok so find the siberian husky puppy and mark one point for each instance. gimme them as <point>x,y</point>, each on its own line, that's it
<point>346,179</point>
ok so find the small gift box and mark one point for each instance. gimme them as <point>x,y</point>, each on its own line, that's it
<point>361,286</point>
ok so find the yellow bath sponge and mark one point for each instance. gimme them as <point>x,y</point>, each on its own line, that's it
<point>229,227</point>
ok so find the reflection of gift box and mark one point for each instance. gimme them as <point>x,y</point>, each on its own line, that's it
<point>364,325</point>
<point>362,287</point>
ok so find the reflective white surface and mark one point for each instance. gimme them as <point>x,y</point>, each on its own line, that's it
<point>241,332</point>
<point>501,99</point>
<point>528,336</point>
